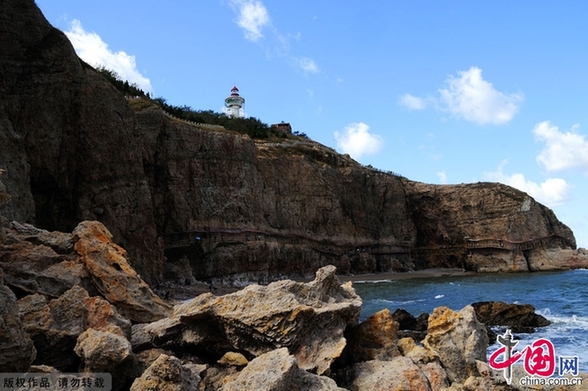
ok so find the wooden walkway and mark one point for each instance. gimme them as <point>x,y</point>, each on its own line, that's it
<point>211,238</point>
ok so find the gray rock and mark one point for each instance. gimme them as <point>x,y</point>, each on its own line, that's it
<point>16,347</point>
<point>307,318</point>
<point>278,371</point>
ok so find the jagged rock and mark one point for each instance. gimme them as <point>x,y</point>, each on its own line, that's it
<point>373,339</point>
<point>521,318</point>
<point>308,318</point>
<point>401,373</point>
<point>38,261</point>
<point>55,325</point>
<point>114,278</point>
<point>167,373</point>
<point>17,351</point>
<point>107,352</point>
<point>278,371</point>
<point>458,339</point>
<point>102,315</point>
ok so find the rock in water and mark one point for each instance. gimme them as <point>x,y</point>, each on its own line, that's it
<point>459,339</point>
<point>521,318</point>
<point>114,278</point>
<point>307,318</point>
<point>16,347</point>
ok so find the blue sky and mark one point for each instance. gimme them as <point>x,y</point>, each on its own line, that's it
<point>439,91</point>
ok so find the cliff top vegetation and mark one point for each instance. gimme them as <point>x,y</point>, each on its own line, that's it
<point>255,128</point>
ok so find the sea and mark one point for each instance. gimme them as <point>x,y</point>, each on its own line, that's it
<point>562,297</point>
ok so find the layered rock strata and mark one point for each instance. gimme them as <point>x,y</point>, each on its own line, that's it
<point>231,208</point>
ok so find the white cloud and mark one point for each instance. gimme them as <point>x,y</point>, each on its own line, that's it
<point>357,141</point>
<point>412,102</point>
<point>308,65</point>
<point>563,150</point>
<point>93,50</point>
<point>252,17</point>
<point>442,175</point>
<point>552,192</point>
<point>472,98</point>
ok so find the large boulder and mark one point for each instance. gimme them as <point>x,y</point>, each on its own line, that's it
<point>458,339</point>
<point>16,347</point>
<point>113,276</point>
<point>167,373</point>
<point>55,325</point>
<point>307,318</point>
<point>521,318</point>
<point>107,352</point>
<point>278,371</point>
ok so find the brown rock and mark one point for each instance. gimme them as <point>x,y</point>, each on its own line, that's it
<point>373,339</point>
<point>308,318</point>
<point>521,318</point>
<point>107,352</point>
<point>233,359</point>
<point>458,339</point>
<point>16,347</point>
<point>114,278</point>
<point>167,373</point>
<point>55,325</point>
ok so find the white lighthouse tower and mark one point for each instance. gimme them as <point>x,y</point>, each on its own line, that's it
<point>234,103</point>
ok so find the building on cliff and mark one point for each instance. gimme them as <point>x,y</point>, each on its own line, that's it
<point>234,103</point>
<point>283,127</point>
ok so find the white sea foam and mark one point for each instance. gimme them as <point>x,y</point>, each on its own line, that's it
<point>439,296</point>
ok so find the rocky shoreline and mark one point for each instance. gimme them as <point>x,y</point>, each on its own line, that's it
<point>76,305</point>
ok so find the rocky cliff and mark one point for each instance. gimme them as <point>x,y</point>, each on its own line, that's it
<point>219,205</point>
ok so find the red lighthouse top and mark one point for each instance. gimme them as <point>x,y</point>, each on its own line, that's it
<point>235,91</point>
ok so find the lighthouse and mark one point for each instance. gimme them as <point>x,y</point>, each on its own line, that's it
<point>234,102</point>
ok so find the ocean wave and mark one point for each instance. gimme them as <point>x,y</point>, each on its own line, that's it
<point>398,302</point>
<point>439,296</point>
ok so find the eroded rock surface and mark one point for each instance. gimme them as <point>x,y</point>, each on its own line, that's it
<point>278,371</point>
<point>16,347</point>
<point>458,339</point>
<point>167,373</point>
<point>307,318</point>
<point>110,271</point>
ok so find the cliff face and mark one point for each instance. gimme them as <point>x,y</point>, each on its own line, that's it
<point>68,140</point>
<point>75,149</point>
